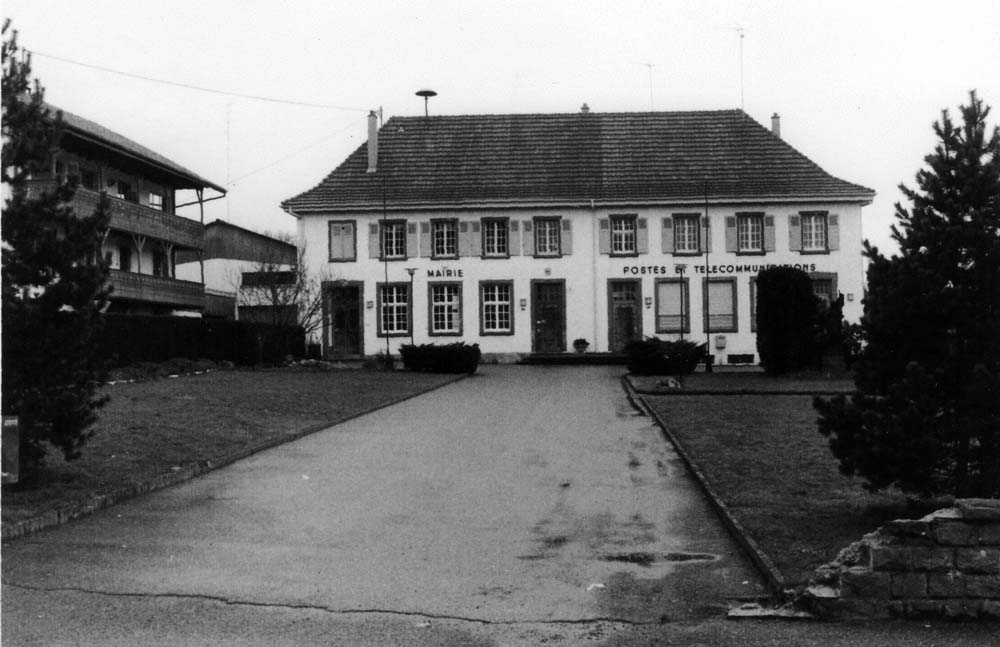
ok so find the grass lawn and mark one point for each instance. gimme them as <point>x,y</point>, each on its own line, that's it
<point>765,458</point>
<point>150,428</point>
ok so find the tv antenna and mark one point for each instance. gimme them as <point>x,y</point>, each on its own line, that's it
<point>649,68</point>
<point>739,30</point>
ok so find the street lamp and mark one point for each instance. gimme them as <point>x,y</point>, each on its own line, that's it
<point>411,271</point>
<point>680,267</point>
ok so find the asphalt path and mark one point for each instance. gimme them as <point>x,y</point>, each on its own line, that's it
<point>523,506</point>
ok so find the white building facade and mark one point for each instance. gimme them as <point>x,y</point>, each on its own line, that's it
<point>524,233</point>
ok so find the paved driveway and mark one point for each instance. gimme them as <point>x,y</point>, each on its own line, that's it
<point>531,499</point>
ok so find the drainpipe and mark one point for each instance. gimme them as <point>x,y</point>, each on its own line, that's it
<point>595,233</point>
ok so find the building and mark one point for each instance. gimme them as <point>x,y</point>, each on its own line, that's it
<point>145,190</point>
<point>240,266</point>
<point>525,232</point>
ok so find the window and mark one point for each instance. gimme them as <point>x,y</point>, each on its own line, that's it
<point>496,316</point>
<point>156,201</point>
<point>446,308</point>
<point>444,239</point>
<point>393,309</point>
<point>342,241</point>
<point>495,238</point>
<point>672,311</point>
<point>88,180</point>
<point>122,190</point>
<point>750,233</point>
<point>824,285</point>
<point>814,232</point>
<point>547,237</point>
<point>686,235</point>
<point>394,239</point>
<point>623,236</point>
<point>125,258</point>
<point>720,305</point>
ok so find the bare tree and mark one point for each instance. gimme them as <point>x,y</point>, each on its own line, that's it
<point>279,292</point>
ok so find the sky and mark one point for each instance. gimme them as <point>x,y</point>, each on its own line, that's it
<point>858,85</point>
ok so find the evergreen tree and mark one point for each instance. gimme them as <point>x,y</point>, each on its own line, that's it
<point>925,416</point>
<point>790,321</point>
<point>54,281</point>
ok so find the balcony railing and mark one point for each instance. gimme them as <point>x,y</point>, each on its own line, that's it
<point>135,218</point>
<point>130,286</point>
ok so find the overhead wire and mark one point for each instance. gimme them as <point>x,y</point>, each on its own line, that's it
<point>197,87</point>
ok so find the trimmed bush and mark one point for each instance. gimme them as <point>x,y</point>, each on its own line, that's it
<point>129,339</point>
<point>449,358</point>
<point>654,356</point>
<point>789,322</point>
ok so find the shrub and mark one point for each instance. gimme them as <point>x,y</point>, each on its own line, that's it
<point>449,358</point>
<point>789,321</point>
<point>653,356</point>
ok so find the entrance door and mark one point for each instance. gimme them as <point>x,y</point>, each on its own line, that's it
<point>343,320</point>
<point>548,307</point>
<point>624,314</point>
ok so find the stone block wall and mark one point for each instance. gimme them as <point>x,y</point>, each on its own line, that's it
<point>944,565</point>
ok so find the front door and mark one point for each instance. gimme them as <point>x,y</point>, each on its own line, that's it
<point>624,314</point>
<point>343,320</point>
<point>548,307</point>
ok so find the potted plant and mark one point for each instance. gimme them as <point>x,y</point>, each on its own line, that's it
<point>580,345</point>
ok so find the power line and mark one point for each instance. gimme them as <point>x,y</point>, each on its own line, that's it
<point>232,183</point>
<point>196,87</point>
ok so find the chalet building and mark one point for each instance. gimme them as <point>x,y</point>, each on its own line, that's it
<point>239,265</point>
<point>525,232</point>
<point>145,233</point>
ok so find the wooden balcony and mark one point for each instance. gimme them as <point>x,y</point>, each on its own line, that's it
<point>137,219</point>
<point>130,286</point>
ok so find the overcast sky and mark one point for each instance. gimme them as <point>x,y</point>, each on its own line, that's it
<point>857,84</point>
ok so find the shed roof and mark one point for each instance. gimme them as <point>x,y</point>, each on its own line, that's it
<point>642,157</point>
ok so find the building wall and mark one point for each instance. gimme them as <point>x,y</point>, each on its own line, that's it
<point>585,271</point>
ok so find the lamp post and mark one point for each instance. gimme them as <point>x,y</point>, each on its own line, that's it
<point>680,270</point>
<point>411,271</point>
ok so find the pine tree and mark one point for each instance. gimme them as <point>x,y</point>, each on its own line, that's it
<point>925,416</point>
<point>54,281</point>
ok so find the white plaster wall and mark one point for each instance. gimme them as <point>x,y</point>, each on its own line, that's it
<point>586,273</point>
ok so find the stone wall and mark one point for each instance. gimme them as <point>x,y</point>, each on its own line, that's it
<point>944,565</point>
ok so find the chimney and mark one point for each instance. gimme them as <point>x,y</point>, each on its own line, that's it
<point>372,142</point>
<point>585,108</point>
<point>776,124</point>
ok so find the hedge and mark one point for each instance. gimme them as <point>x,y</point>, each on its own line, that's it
<point>448,358</point>
<point>654,356</point>
<point>128,339</point>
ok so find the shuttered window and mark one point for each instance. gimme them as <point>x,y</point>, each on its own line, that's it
<point>547,237</point>
<point>720,305</point>
<point>750,233</point>
<point>444,238</point>
<point>686,234</point>
<point>394,240</point>
<point>672,311</point>
<point>495,238</point>
<point>342,241</point>
<point>623,236</point>
<point>814,231</point>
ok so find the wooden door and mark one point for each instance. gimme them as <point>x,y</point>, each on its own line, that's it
<point>343,319</point>
<point>624,314</point>
<point>548,308</point>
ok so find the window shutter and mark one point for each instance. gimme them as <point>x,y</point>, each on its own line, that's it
<point>529,239</point>
<point>411,239</point>
<point>769,233</point>
<point>731,244</point>
<point>642,236</point>
<point>833,232</point>
<point>794,233</point>
<point>373,241</point>
<point>667,236</point>
<point>514,244</point>
<point>566,238</point>
<point>475,239</point>
<point>464,244</point>
<point>604,236</point>
<point>706,236</point>
<point>425,239</point>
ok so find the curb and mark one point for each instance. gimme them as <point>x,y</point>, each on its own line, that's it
<point>59,517</point>
<point>775,579</point>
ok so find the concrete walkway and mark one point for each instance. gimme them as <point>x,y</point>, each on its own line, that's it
<point>524,497</point>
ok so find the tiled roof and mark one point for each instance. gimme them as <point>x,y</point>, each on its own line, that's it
<point>91,130</point>
<point>577,157</point>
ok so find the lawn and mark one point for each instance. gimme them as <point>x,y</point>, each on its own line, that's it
<point>763,455</point>
<point>155,427</point>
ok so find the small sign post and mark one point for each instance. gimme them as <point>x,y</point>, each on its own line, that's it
<point>10,448</point>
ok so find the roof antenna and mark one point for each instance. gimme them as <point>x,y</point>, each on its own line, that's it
<point>426,94</point>
<point>739,30</point>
